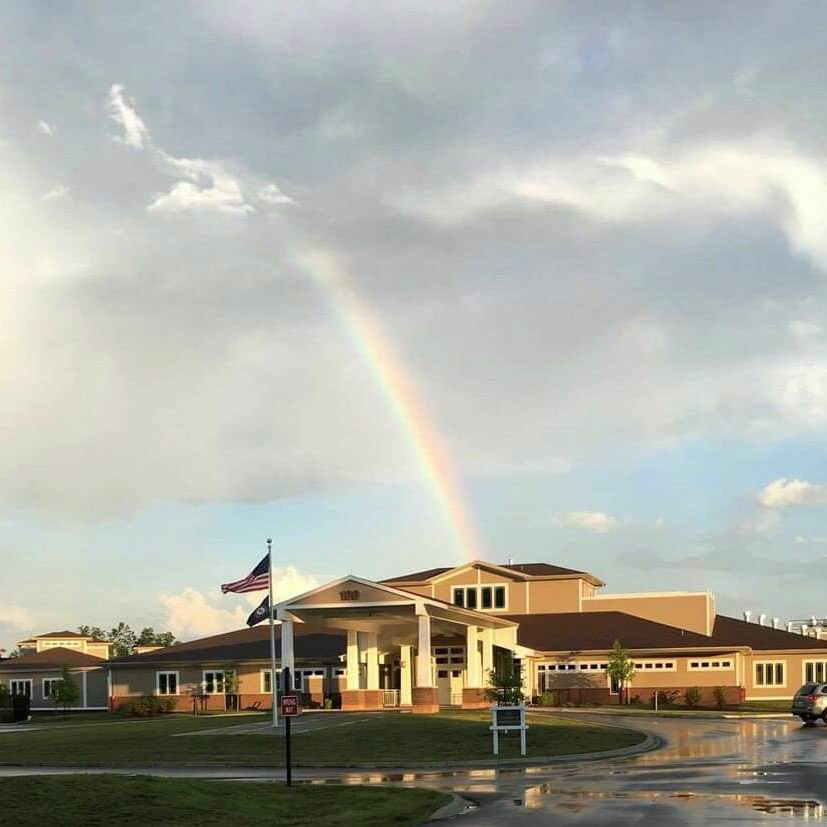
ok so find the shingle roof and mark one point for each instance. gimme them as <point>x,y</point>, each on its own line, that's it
<point>596,631</point>
<point>63,634</point>
<point>417,576</point>
<point>245,644</point>
<point>539,569</point>
<point>56,657</point>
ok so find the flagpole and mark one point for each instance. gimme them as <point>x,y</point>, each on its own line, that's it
<point>273,674</point>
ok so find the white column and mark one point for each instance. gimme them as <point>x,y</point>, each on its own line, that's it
<point>83,689</point>
<point>352,659</point>
<point>472,658</point>
<point>373,661</point>
<point>487,655</point>
<point>423,653</point>
<point>405,673</point>
<point>288,658</point>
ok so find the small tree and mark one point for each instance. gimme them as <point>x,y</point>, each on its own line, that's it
<point>719,694</point>
<point>692,696</point>
<point>231,687</point>
<point>65,692</point>
<point>505,687</point>
<point>621,668</point>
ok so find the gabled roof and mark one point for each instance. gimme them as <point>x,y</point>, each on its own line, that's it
<point>540,569</point>
<point>597,631</point>
<point>54,658</point>
<point>418,576</point>
<point>518,571</point>
<point>244,644</point>
<point>64,635</point>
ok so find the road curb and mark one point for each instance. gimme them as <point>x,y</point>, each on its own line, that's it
<point>453,808</point>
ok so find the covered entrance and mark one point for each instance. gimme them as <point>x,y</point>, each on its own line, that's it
<point>403,649</point>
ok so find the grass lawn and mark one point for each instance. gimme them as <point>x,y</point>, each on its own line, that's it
<point>383,739</point>
<point>110,799</point>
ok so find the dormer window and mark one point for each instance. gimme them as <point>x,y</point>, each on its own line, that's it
<point>482,598</point>
<point>459,597</point>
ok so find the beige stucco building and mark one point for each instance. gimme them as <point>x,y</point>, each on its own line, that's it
<point>431,638</point>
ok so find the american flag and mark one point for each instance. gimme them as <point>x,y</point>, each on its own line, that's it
<point>256,580</point>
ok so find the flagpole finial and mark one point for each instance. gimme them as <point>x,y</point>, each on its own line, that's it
<point>269,542</point>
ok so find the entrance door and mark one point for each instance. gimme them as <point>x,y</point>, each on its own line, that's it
<point>443,685</point>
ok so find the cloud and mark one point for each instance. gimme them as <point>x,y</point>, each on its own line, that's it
<point>56,193</point>
<point>15,616</point>
<point>767,520</point>
<point>185,196</point>
<point>122,111</point>
<point>786,492</point>
<point>820,541</point>
<point>44,129</point>
<point>192,614</point>
<point>595,522</point>
<point>271,194</point>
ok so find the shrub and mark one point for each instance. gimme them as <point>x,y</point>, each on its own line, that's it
<point>6,715</point>
<point>719,694</point>
<point>666,697</point>
<point>146,706</point>
<point>692,696</point>
<point>548,699</point>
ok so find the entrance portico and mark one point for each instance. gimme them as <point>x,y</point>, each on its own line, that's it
<point>385,624</point>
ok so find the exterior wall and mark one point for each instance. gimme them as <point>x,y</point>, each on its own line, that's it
<point>366,594</point>
<point>548,596</point>
<point>515,589</point>
<point>595,683</point>
<point>694,612</point>
<point>95,686</point>
<point>425,590</point>
<point>794,673</point>
<point>99,650</point>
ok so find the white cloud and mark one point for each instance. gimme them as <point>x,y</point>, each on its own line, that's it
<point>186,196</point>
<point>783,492</point>
<point>44,129</point>
<point>16,616</point>
<point>803,331</point>
<point>814,540</point>
<point>192,614</point>
<point>121,110</point>
<point>594,521</point>
<point>765,521</point>
<point>271,194</point>
<point>747,177</point>
<point>56,193</point>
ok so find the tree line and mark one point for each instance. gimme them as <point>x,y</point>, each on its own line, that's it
<point>124,639</point>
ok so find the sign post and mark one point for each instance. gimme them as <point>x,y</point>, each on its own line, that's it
<point>289,710</point>
<point>506,719</point>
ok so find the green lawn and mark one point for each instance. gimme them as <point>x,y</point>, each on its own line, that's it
<point>110,799</point>
<point>382,739</point>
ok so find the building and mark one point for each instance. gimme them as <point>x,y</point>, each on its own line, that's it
<point>431,638</point>
<point>67,640</point>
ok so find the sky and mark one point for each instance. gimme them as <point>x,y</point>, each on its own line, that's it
<point>400,285</point>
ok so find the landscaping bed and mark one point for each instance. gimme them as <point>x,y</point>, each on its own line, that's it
<point>138,800</point>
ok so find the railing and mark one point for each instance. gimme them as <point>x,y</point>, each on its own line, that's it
<point>390,697</point>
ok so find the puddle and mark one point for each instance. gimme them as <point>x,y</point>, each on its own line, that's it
<point>576,801</point>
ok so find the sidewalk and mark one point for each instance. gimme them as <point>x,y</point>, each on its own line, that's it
<point>638,712</point>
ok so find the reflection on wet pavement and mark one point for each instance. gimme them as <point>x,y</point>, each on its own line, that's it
<point>709,772</point>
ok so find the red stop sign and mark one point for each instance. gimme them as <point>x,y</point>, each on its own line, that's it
<point>289,705</point>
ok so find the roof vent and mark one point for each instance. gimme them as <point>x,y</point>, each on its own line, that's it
<point>803,628</point>
<point>747,615</point>
<point>789,625</point>
<point>761,618</point>
<point>510,561</point>
<point>775,623</point>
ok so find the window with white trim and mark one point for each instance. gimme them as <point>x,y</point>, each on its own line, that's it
<point>266,677</point>
<point>21,686</point>
<point>815,671</point>
<point>662,665</point>
<point>770,673</point>
<point>712,665</point>
<point>484,598</point>
<point>166,683</point>
<point>49,685</point>
<point>214,682</point>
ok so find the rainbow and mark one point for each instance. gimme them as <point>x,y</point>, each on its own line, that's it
<point>377,352</point>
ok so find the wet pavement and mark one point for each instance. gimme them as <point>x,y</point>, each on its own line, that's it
<point>708,772</point>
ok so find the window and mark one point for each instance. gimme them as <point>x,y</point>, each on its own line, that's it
<point>166,683</point>
<point>214,683</point>
<point>815,671</point>
<point>48,686</point>
<point>456,673</point>
<point>442,673</point>
<point>769,673</point>
<point>717,665</point>
<point>499,597</point>
<point>485,597</point>
<point>22,686</point>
